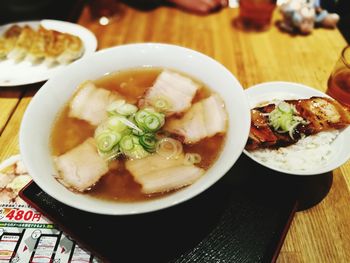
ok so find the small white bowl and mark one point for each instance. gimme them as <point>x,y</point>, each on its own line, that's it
<point>269,91</point>
<point>50,99</point>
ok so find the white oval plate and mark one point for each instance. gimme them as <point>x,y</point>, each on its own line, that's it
<point>23,72</point>
<point>269,91</point>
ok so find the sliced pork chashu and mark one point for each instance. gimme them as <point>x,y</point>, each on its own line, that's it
<point>320,114</point>
<point>157,174</point>
<point>81,167</point>
<point>90,103</point>
<point>177,90</point>
<point>204,119</point>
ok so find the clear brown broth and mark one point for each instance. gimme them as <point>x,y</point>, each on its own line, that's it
<point>118,183</point>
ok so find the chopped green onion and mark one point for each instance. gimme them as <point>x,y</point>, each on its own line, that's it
<point>103,127</point>
<point>140,116</point>
<point>148,141</point>
<point>192,158</point>
<point>152,123</point>
<point>169,148</point>
<point>159,115</point>
<point>130,124</point>
<point>127,109</point>
<point>122,108</point>
<point>284,118</point>
<point>107,140</point>
<point>127,143</point>
<point>131,132</point>
<point>161,104</point>
<point>130,146</point>
<point>110,155</point>
<point>116,123</point>
<point>138,152</point>
<point>284,107</point>
<point>138,132</point>
<point>149,120</point>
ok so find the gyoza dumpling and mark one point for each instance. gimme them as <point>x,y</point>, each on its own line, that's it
<point>3,52</point>
<point>8,42</point>
<point>23,44</point>
<point>55,47</point>
<point>74,49</point>
<point>38,48</point>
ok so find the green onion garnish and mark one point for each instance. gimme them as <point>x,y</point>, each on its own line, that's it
<point>127,143</point>
<point>122,108</point>
<point>149,120</point>
<point>161,104</point>
<point>116,123</point>
<point>148,141</point>
<point>129,131</point>
<point>107,140</point>
<point>152,123</point>
<point>110,155</point>
<point>192,158</point>
<point>284,118</point>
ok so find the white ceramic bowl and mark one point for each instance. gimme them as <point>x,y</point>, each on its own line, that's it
<point>50,99</point>
<point>269,91</point>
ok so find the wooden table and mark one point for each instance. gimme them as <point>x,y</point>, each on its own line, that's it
<point>320,234</point>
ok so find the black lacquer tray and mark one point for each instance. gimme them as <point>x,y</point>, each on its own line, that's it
<point>242,218</point>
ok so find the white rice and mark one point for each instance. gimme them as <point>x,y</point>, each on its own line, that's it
<point>307,154</point>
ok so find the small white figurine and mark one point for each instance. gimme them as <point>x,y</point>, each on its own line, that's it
<point>304,15</point>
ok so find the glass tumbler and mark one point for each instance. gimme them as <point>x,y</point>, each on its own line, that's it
<point>256,14</point>
<point>339,80</point>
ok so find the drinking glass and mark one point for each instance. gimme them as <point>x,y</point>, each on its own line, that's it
<point>339,80</point>
<point>255,14</point>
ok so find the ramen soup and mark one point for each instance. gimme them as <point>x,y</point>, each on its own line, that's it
<point>138,134</point>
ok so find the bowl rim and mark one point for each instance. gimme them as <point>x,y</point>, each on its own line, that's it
<point>146,207</point>
<point>262,87</point>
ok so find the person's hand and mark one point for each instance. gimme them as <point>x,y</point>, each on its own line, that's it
<point>200,6</point>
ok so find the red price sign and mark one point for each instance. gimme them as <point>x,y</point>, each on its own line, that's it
<point>23,215</point>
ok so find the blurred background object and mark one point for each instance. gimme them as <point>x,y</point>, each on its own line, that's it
<point>69,10</point>
<point>105,12</point>
<point>342,8</point>
<point>255,14</point>
<point>200,6</point>
<point>300,16</point>
<point>21,10</point>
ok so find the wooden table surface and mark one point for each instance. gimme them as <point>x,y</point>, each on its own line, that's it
<point>320,234</point>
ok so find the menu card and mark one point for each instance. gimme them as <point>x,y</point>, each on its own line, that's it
<point>26,235</point>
